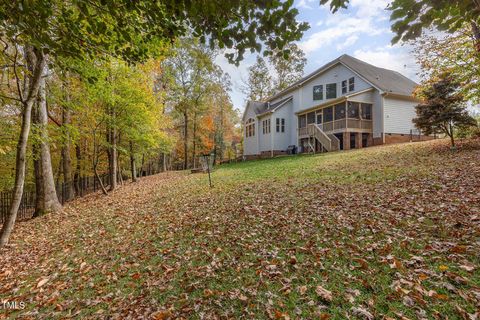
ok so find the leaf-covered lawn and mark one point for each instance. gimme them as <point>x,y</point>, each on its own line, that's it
<point>387,232</point>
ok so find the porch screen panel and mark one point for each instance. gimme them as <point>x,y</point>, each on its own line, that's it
<point>310,117</point>
<point>340,111</point>
<point>328,114</point>
<point>353,110</point>
<point>302,121</point>
<point>366,111</point>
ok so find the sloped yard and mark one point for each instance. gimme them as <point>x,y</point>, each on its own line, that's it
<point>381,233</point>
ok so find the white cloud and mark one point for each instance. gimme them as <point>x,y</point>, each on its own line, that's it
<point>391,57</point>
<point>348,42</point>
<point>305,4</point>
<point>370,8</point>
<point>349,27</point>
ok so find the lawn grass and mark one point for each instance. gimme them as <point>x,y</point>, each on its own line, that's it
<point>390,231</point>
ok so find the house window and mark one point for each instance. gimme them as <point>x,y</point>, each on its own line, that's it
<point>250,128</point>
<point>351,84</point>
<point>331,90</point>
<point>310,117</point>
<point>328,114</point>
<point>344,86</point>
<point>266,126</point>
<point>318,92</point>
<point>353,110</point>
<point>340,111</point>
<point>366,111</point>
<point>280,124</point>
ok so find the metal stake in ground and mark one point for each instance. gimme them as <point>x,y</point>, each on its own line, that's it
<point>206,157</point>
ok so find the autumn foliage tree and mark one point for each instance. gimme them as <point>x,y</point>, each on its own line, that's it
<point>443,109</point>
<point>454,53</point>
<point>40,32</point>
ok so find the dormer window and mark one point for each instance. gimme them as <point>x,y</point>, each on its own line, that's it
<point>351,84</point>
<point>344,86</point>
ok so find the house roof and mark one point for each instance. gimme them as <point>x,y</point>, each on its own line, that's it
<point>385,80</point>
<point>261,108</point>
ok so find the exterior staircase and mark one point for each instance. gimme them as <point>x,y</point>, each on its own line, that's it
<point>328,141</point>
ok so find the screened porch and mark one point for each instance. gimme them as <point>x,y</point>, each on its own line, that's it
<point>342,117</point>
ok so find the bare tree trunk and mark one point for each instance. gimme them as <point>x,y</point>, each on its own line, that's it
<point>452,139</point>
<point>119,171</point>
<point>112,153</point>
<point>36,64</point>
<point>133,168</point>
<point>140,174</point>
<point>185,141</point>
<point>78,168</point>
<point>66,157</point>
<point>47,200</point>
<point>95,164</point>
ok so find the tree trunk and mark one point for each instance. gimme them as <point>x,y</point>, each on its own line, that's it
<point>140,173</point>
<point>78,168</point>
<point>112,153</point>
<point>47,200</point>
<point>452,139</point>
<point>95,164</point>
<point>476,35</point>
<point>133,168</point>
<point>119,171</point>
<point>194,142</point>
<point>185,141</point>
<point>66,158</point>
<point>36,64</point>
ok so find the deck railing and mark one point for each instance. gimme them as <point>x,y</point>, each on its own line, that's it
<point>339,125</point>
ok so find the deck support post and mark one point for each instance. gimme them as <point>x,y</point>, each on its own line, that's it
<point>358,140</point>
<point>346,141</point>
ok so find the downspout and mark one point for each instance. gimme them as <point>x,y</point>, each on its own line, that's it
<point>271,135</point>
<point>383,116</point>
<point>300,98</point>
<point>257,134</point>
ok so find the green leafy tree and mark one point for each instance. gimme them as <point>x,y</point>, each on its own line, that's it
<point>260,85</point>
<point>411,17</point>
<point>289,66</point>
<point>190,73</point>
<point>443,109</point>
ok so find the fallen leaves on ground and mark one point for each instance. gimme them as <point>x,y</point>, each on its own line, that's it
<point>382,233</point>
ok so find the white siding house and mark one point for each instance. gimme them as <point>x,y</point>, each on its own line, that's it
<point>345,104</point>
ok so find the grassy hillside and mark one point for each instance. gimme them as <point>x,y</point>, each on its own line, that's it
<point>386,232</point>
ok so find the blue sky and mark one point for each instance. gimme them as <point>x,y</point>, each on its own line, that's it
<point>363,31</point>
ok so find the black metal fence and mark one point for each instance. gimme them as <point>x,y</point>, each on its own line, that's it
<point>65,192</point>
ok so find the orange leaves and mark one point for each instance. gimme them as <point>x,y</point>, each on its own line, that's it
<point>161,315</point>
<point>443,268</point>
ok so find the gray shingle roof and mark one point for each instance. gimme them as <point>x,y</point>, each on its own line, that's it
<point>263,107</point>
<point>384,79</point>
